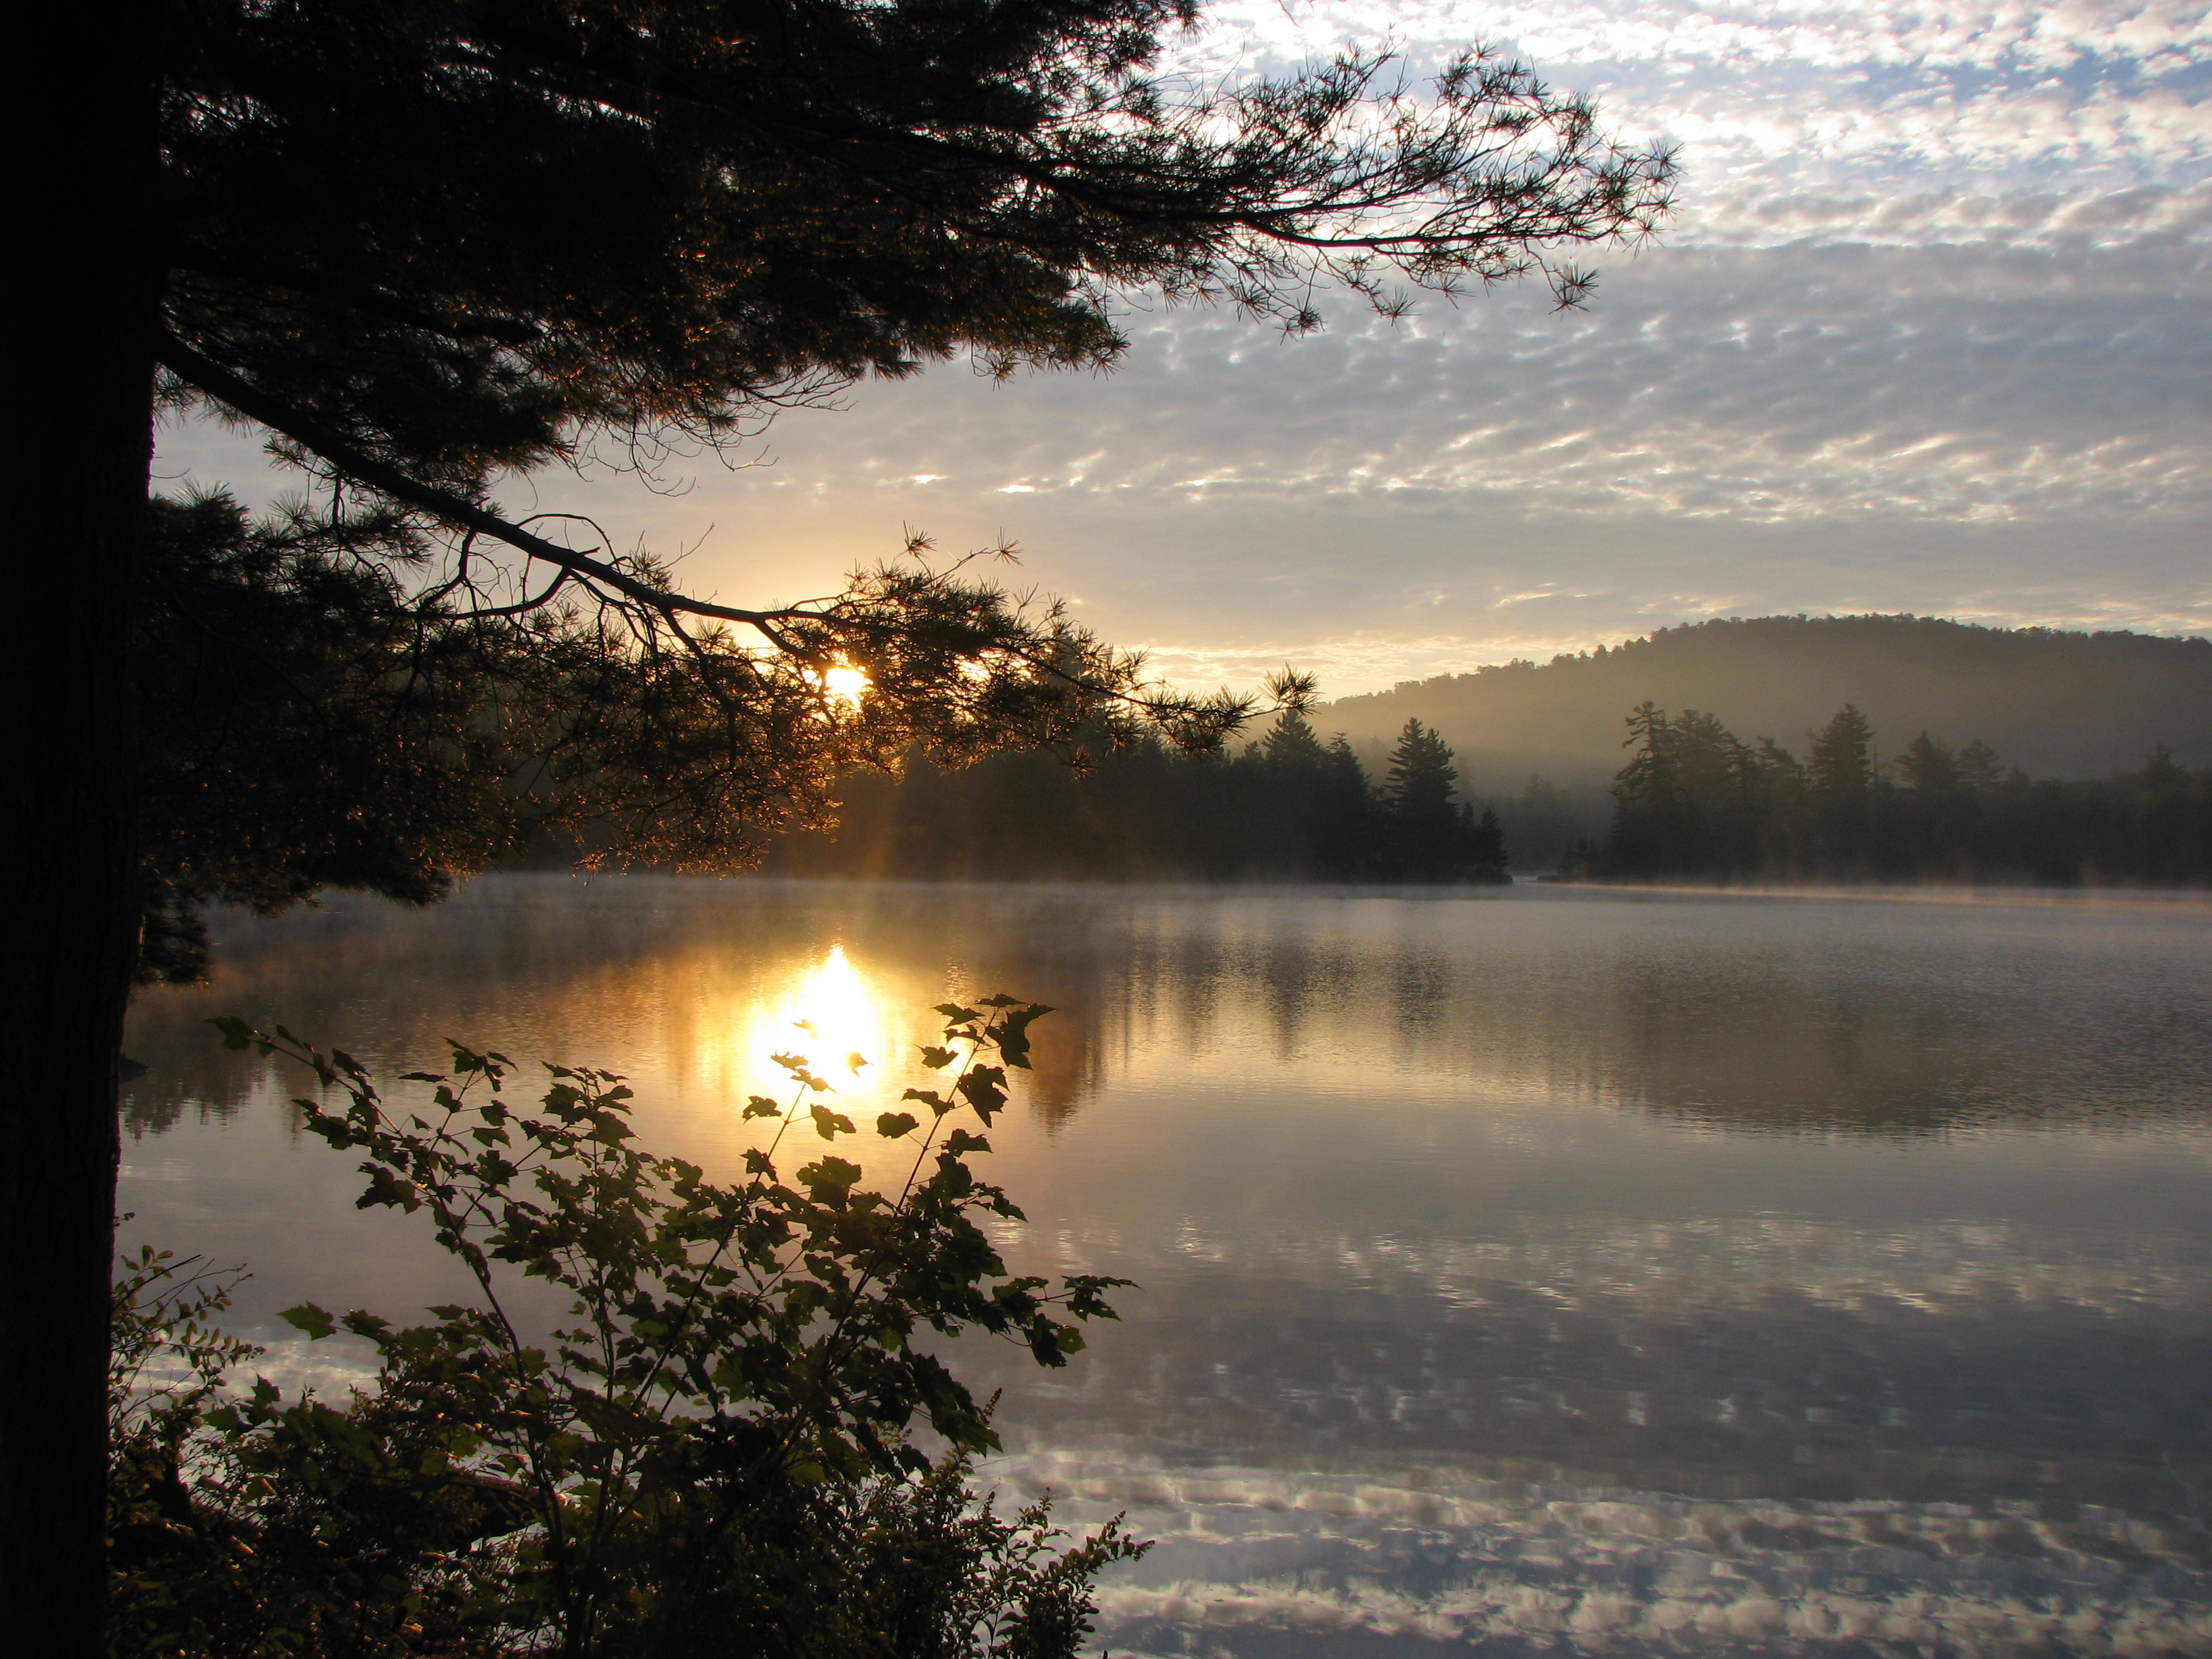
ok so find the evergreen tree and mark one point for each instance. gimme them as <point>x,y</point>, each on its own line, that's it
<point>1646,796</point>
<point>426,248</point>
<point>1426,829</point>
<point>1977,766</point>
<point>1717,831</point>
<point>1694,802</point>
<point>1486,848</point>
<point>1785,837</point>
<point>1842,765</point>
<point>1926,827</point>
<point>1291,744</point>
<point>1346,829</point>
<point>1691,802</point>
<point>1840,787</point>
<point>1927,767</point>
<point>1420,778</point>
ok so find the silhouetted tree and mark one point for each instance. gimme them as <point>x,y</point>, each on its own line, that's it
<point>1647,795</point>
<point>2167,832</point>
<point>1840,787</point>
<point>1347,816</point>
<point>1925,830</point>
<point>1486,848</point>
<point>1927,767</point>
<point>1692,802</point>
<point>1302,813</point>
<point>1977,766</point>
<point>1786,839</point>
<point>422,247</point>
<point>1424,821</point>
<point>307,727</point>
<point>1291,745</point>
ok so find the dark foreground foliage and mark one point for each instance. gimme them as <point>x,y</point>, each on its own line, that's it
<point>710,1456</point>
<point>1696,803</point>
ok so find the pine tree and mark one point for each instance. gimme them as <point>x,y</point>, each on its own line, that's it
<point>426,248</point>
<point>1346,837</point>
<point>1841,790</point>
<point>1691,802</point>
<point>1426,829</point>
<point>1419,780</point>
<point>1786,839</point>
<point>1842,764</point>
<point>1487,848</point>
<point>1291,744</point>
<point>1927,767</point>
<point>1647,796</point>
<point>1978,766</point>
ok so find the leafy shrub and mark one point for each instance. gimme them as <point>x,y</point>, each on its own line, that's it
<point>712,1454</point>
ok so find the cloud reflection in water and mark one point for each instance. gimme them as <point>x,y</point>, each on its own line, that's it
<point>1607,1275</point>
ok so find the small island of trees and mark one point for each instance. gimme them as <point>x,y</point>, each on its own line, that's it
<point>1696,804</point>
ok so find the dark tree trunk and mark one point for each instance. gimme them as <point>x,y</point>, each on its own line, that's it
<point>91,283</point>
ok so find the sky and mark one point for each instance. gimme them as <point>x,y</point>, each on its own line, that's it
<point>1932,330</point>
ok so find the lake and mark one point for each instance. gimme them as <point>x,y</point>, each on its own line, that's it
<point>1543,1270</point>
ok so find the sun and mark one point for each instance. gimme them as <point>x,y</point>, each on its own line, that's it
<point>845,684</point>
<point>834,1006</point>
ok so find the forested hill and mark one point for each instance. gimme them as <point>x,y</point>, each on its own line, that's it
<point>2054,704</point>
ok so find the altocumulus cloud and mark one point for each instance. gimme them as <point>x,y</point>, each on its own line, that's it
<point>1985,378</point>
<point>1931,333</point>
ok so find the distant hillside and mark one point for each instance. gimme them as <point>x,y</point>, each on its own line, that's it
<point>2055,704</point>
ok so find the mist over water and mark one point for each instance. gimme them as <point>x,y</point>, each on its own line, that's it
<point>1590,1273</point>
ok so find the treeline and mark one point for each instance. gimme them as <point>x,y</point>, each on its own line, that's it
<point>1695,803</point>
<point>1287,808</point>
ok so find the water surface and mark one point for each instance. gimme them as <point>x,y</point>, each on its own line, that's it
<point>1529,1273</point>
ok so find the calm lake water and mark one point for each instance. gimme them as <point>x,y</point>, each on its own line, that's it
<point>1542,1272</point>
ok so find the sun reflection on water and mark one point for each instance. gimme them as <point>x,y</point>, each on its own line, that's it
<point>832,1018</point>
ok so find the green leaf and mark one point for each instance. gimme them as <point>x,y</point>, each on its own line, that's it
<point>385,1187</point>
<point>984,1088</point>
<point>315,1321</point>
<point>1014,1033</point>
<point>829,1180</point>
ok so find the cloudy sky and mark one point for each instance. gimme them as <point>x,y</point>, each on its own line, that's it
<point>1932,332</point>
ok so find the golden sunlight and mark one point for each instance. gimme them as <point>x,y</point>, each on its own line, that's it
<point>837,1016</point>
<point>845,684</point>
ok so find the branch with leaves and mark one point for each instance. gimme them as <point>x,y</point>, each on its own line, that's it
<point>727,1349</point>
